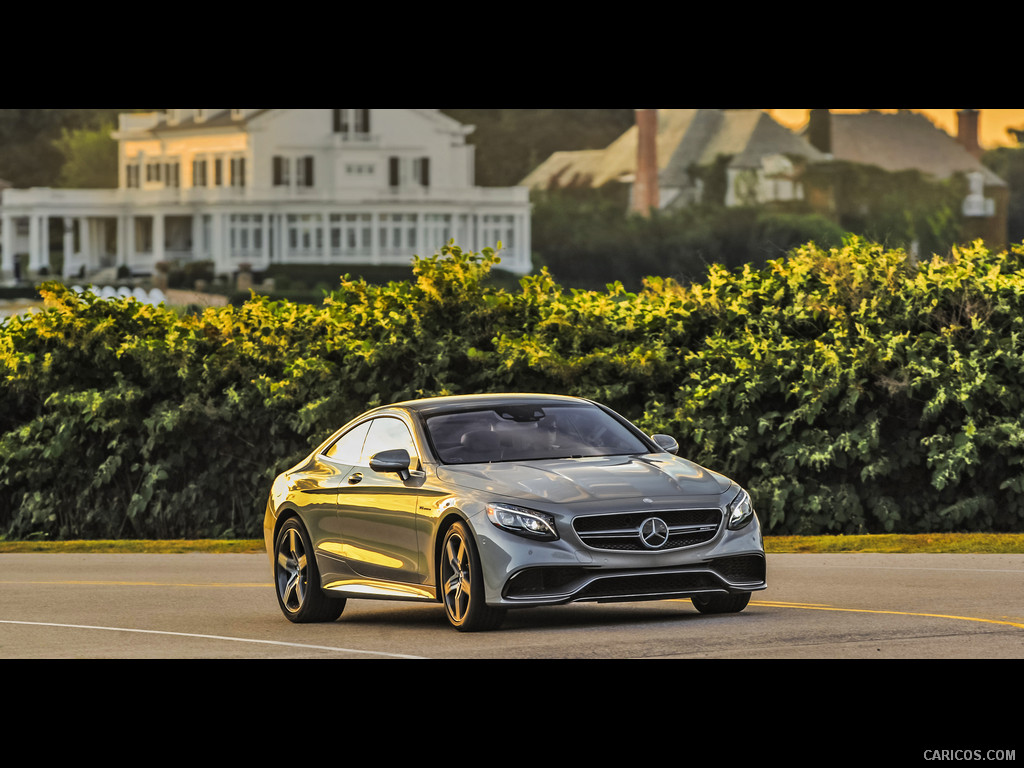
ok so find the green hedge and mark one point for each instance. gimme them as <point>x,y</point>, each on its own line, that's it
<point>851,390</point>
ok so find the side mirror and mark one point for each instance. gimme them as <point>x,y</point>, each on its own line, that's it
<point>666,443</point>
<point>392,461</point>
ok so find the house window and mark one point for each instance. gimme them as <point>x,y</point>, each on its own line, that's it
<point>172,174</point>
<point>495,228</point>
<point>397,232</point>
<point>238,172</point>
<point>304,171</point>
<point>402,171</point>
<point>245,234</point>
<point>305,235</point>
<point>421,171</point>
<point>282,168</point>
<point>131,175</point>
<point>153,171</point>
<point>355,123</point>
<point>198,173</point>
<point>218,174</point>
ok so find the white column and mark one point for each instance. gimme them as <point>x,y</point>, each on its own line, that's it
<point>44,230</point>
<point>217,244</point>
<point>197,235</point>
<point>422,249</point>
<point>158,237</point>
<point>282,236</point>
<point>128,254</point>
<point>525,246</point>
<point>34,246</point>
<point>92,241</point>
<point>325,233</point>
<point>69,246</point>
<point>7,246</point>
<point>265,238</point>
<point>374,238</point>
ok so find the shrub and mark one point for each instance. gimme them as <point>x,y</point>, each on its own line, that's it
<point>851,389</point>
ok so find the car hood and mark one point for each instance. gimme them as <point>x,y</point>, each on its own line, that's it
<point>603,478</point>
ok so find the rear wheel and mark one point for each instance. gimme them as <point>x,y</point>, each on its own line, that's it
<point>720,603</point>
<point>462,584</point>
<point>297,578</point>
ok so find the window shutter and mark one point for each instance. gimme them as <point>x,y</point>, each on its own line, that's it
<point>425,171</point>
<point>393,171</point>
<point>309,170</point>
<point>364,115</point>
<point>277,172</point>
<point>337,120</point>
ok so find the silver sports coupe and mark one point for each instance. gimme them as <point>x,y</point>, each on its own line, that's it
<point>490,502</point>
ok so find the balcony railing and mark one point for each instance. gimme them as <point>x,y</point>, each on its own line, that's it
<point>56,199</point>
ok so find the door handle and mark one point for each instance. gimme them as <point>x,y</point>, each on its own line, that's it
<point>356,478</point>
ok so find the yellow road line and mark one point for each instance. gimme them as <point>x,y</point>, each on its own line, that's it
<point>135,584</point>
<point>814,607</point>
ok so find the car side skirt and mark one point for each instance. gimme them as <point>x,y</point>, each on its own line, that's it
<point>380,590</point>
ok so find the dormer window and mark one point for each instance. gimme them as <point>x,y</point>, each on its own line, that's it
<point>352,122</point>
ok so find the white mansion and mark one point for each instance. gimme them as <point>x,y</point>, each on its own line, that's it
<point>270,186</point>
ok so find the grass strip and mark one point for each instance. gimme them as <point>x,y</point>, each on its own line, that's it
<point>960,543</point>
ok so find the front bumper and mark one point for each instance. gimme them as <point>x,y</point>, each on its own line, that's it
<point>522,572</point>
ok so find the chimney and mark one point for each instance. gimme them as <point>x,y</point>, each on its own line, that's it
<point>967,131</point>
<point>819,130</point>
<point>645,186</point>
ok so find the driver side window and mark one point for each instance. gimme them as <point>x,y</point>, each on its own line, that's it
<point>387,434</point>
<point>349,447</point>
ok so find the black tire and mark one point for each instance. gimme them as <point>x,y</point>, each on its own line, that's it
<point>297,579</point>
<point>462,584</point>
<point>720,603</point>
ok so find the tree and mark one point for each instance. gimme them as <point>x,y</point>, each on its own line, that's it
<point>90,158</point>
<point>512,142</point>
<point>1008,164</point>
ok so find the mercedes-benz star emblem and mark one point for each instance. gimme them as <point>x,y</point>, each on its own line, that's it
<point>654,532</point>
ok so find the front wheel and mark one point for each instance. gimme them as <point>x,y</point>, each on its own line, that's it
<point>297,578</point>
<point>720,603</point>
<point>462,584</point>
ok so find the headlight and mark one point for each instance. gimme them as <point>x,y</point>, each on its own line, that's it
<point>526,522</point>
<point>740,511</point>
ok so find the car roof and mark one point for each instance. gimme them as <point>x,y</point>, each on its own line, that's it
<point>431,405</point>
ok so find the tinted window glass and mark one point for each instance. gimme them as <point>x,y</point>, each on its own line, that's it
<point>521,433</point>
<point>386,435</point>
<point>349,447</point>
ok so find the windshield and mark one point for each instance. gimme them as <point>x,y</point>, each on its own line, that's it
<point>525,432</point>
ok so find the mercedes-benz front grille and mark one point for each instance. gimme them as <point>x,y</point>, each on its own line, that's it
<point>648,531</point>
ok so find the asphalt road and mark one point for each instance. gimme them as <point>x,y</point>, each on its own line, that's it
<point>199,606</point>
